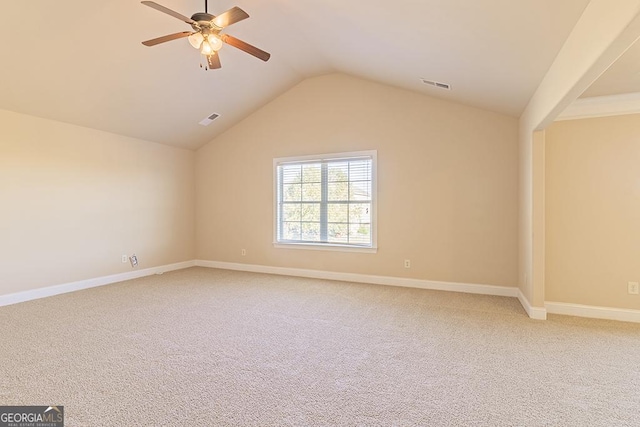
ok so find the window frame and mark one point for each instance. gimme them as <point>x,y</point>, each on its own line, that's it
<point>373,154</point>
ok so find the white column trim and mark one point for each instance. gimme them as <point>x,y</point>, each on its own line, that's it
<point>538,313</point>
<point>602,106</point>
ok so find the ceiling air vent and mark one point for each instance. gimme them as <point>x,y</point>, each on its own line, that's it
<point>208,120</point>
<point>439,85</point>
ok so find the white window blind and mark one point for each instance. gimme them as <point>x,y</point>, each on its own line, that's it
<point>327,201</point>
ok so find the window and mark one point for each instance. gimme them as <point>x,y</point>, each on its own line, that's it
<point>326,202</point>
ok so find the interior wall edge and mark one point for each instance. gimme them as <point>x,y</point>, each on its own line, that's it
<point>49,291</point>
<point>593,312</point>
<point>538,313</point>
<point>470,288</point>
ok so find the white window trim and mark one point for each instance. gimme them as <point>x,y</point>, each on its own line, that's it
<point>329,246</point>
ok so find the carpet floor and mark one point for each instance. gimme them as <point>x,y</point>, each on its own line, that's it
<point>205,347</point>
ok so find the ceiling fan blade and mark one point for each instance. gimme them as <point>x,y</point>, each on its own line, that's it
<point>246,47</point>
<point>168,11</point>
<point>214,61</point>
<point>166,38</point>
<point>231,16</point>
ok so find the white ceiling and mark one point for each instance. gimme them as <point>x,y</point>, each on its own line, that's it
<point>82,62</point>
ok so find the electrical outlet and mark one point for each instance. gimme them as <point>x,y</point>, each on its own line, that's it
<point>125,259</point>
<point>243,252</point>
<point>407,263</point>
<point>633,288</point>
<point>134,260</point>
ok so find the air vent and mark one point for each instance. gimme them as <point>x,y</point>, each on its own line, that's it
<point>208,120</point>
<point>439,85</point>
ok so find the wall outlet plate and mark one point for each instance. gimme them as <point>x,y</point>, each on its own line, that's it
<point>134,260</point>
<point>633,288</point>
<point>125,259</point>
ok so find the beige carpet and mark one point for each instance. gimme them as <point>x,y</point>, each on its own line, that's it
<point>203,347</point>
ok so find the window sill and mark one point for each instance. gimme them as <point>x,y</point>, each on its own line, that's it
<point>325,247</point>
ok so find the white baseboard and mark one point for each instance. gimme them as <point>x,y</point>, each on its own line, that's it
<point>89,283</point>
<point>365,278</point>
<point>538,313</point>
<point>609,313</point>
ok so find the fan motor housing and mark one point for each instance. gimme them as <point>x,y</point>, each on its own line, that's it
<point>202,17</point>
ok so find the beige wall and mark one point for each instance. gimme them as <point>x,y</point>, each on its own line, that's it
<point>593,211</point>
<point>447,178</point>
<point>75,199</point>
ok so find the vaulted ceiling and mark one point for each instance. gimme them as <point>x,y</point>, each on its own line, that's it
<point>82,62</point>
<point>622,77</point>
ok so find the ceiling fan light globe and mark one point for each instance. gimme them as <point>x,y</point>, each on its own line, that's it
<point>214,42</point>
<point>196,40</point>
<point>206,48</point>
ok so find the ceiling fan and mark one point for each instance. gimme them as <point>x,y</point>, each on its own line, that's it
<point>207,33</point>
